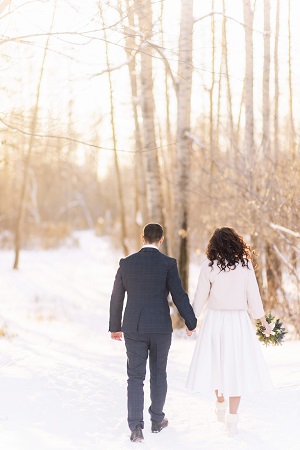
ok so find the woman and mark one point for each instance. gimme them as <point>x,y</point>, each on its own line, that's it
<point>227,356</point>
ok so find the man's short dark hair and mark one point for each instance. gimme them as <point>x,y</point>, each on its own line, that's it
<point>153,232</point>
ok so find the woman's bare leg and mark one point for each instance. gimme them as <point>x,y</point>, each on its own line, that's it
<point>234,404</point>
<point>220,399</point>
<point>232,418</point>
<point>220,407</point>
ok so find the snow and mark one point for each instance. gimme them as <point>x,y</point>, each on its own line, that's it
<point>63,380</point>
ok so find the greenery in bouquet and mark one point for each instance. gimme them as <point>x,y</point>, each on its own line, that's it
<point>277,334</point>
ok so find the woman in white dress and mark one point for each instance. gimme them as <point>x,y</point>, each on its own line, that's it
<point>227,356</point>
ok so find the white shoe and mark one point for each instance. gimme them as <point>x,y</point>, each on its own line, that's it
<point>231,424</point>
<point>220,411</point>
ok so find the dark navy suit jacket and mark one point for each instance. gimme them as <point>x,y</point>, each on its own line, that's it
<point>148,276</point>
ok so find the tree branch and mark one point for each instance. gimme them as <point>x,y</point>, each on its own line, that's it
<point>289,243</point>
<point>12,10</point>
<point>285,261</point>
<point>77,141</point>
<point>4,4</point>
<point>226,17</point>
<point>118,66</point>
<point>166,62</point>
<point>285,230</point>
<point>194,139</point>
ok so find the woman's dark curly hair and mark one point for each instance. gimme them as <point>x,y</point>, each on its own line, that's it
<point>228,249</point>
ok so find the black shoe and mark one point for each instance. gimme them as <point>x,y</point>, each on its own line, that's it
<point>158,426</point>
<point>137,434</point>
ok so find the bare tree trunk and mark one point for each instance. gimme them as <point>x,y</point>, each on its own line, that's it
<point>219,105</point>
<point>291,106</point>
<point>153,181</point>
<point>238,137</point>
<point>166,191</point>
<point>292,143</point>
<point>114,136</point>
<point>141,194</point>
<point>276,83</point>
<point>185,72</point>
<point>24,188</point>
<point>4,4</point>
<point>274,275</point>
<point>266,80</point>
<point>211,95</point>
<point>273,269</point>
<point>249,129</point>
<point>212,118</point>
<point>229,95</point>
<point>170,158</point>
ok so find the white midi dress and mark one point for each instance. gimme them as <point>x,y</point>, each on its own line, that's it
<point>227,355</point>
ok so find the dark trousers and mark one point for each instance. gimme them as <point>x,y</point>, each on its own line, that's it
<point>138,347</point>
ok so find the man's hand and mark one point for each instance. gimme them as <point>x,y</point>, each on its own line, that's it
<point>190,332</point>
<point>116,336</point>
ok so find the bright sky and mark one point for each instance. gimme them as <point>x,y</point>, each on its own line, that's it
<point>72,61</point>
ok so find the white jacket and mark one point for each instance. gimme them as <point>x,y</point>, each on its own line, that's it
<point>233,289</point>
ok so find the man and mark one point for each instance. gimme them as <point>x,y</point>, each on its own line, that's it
<point>147,276</point>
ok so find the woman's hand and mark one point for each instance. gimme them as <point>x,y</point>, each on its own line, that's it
<point>189,332</point>
<point>268,327</point>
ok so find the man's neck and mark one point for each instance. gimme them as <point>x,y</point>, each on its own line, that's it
<point>150,245</point>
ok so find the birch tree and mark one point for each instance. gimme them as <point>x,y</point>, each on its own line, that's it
<point>273,268</point>
<point>141,194</point>
<point>114,138</point>
<point>291,102</point>
<point>249,130</point>
<point>183,143</point>
<point>276,82</point>
<point>266,80</point>
<point>228,86</point>
<point>169,156</point>
<point>24,188</point>
<point>153,181</point>
<point>211,93</point>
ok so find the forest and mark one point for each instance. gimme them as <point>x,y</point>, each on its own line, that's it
<point>123,112</point>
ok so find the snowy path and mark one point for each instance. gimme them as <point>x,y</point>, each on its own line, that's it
<point>63,381</point>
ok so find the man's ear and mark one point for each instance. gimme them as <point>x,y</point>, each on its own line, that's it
<point>162,240</point>
<point>142,239</point>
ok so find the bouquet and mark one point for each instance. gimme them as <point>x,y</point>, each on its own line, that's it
<point>277,334</point>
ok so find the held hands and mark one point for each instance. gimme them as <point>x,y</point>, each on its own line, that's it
<point>116,336</point>
<point>190,332</point>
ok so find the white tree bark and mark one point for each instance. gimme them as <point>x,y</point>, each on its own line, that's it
<point>141,200</point>
<point>276,82</point>
<point>266,80</point>
<point>249,129</point>
<point>291,103</point>
<point>185,71</point>
<point>228,86</point>
<point>153,182</point>
<point>211,93</point>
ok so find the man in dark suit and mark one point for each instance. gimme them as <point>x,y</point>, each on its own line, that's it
<point>147,276</point>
